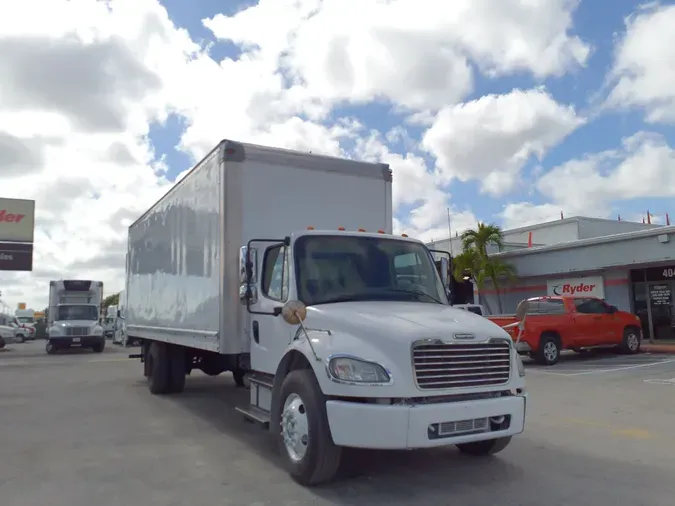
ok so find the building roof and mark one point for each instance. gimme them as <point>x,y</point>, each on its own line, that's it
<point>636,234</point>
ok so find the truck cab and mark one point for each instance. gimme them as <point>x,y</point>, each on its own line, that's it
<point>353,343</point>
<point>74,315</point>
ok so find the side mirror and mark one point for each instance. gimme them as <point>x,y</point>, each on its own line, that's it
<point>248,265</point>
<point>613,309</point>
<point>248,293</point>
<point>248,270</point>
<point>445,272</point>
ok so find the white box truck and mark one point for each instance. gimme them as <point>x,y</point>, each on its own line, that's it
<point>74,315</point>
<point>281,267</point>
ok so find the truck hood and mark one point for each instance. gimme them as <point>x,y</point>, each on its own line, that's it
<point>402,321</point>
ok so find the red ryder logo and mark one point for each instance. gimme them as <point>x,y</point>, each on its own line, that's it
<point>7,217</point>
<point>573,289</point>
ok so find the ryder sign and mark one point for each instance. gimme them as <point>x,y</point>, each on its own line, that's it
<point>17,220</point>
<point>590,286</point>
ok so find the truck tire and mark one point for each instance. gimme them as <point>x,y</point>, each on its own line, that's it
<point>176,369</point>
<point>98,347</point>
<point>631,342</point>
<point>305,441</point>
<point>484,448</point>
<point>159,366</point>
<point>549,349</point>
<point>50,348</point>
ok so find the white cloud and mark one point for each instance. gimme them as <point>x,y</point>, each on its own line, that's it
<point>644,67</point>
<point>643,167</point>
<point>360,51</point>
<point>83,81</point>
<point>491,138</point>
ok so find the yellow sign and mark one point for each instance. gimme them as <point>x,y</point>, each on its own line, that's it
<point>22,305</point>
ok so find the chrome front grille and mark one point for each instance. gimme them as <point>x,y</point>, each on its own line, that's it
<point>77,331</point>
<point>440,365</point>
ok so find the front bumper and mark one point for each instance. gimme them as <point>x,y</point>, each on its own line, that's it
<point>68,341</point>
<point>394,427</point>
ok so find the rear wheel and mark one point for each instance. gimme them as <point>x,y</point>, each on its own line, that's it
<point>305,441</point>
<point>484,448</point>
<point>177,369</point>
<point>549,349</point>
<point>158,368</point>
<point>631,341</point>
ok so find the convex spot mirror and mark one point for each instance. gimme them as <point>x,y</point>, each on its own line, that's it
<point>294,312</point>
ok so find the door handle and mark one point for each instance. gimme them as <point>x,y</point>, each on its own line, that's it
<point>256,331</point>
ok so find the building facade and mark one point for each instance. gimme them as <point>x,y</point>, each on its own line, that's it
<point>629,265</point>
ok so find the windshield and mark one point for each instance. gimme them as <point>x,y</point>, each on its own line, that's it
<point>346,268</point>
<point>25,319</point>
<point>77,313</point>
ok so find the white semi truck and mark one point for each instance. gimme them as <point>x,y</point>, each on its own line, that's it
<point>281,267</point>
<point>74,315</point>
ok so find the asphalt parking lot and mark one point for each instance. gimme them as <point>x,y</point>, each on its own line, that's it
<point>81,428</point>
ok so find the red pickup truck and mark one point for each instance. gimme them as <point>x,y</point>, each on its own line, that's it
<point>554,324</point>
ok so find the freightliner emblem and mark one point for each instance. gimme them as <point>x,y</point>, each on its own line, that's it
<point>464,336</point>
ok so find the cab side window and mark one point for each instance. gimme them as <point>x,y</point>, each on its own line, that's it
<point>275,273</point>
<point>591,306</point>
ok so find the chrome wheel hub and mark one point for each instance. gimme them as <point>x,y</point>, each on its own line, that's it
<point>294,427</point>
<point>632,341</point>
<point>550,351</point>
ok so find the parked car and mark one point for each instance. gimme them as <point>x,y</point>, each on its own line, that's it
<point>6,332</point>
<point>23,333</point>
<point>554,324</point>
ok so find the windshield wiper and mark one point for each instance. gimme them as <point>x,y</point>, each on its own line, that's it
<point>414,292</point>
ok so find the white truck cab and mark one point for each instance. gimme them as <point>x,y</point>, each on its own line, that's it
<point>338,325</point>
<point>74,315</point>
<point>346,336</point>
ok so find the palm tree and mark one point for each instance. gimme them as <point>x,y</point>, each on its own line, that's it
<point>469,265</point>
<point>482,237</point>
<point>475,262</point>
<point>496,270</point>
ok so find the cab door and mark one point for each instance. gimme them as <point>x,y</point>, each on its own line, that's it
<point>595,320</point>
<point>268,332</point>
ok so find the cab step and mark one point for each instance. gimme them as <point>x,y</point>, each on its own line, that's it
<point>255,415</point>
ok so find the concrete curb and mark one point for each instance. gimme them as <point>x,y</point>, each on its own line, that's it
<point>658,348</point>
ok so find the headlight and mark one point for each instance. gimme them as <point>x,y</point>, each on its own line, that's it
<point>96,330</point>
<point>353,370</point>
<point>54,331</point>
<point>520,365</point>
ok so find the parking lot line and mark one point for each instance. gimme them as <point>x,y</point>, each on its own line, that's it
<point>622,368</point>
<point>632,433</point>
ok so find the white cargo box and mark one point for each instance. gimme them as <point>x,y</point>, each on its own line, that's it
<point>183,254</point>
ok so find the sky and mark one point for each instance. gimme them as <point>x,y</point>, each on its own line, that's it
<point>507,112</point>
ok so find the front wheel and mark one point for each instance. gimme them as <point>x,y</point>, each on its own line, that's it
<point>98,347</point>
<point>548,352</point>
<point>305,441</point>
<point>484,448</point>
<point>50,348</point>
<point>21,339</point>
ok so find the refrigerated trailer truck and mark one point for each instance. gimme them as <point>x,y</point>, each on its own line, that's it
<point>74,315</point>
<point>281,267</point>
